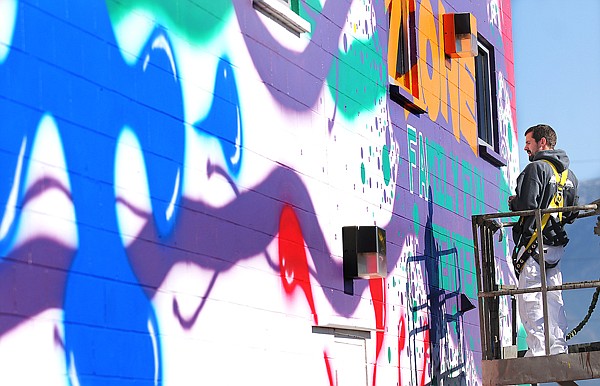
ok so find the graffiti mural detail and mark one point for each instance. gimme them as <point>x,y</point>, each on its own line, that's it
<point>175,177</point>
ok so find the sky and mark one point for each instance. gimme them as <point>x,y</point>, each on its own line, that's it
<point>557,75</point>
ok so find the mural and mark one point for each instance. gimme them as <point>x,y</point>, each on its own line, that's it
<point>175,177</point>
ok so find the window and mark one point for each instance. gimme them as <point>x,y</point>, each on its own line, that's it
<point>402,55</point>
<point>487,115</point>
<point>285,12</point>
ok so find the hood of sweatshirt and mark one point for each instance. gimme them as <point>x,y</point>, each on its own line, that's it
<point>558,157</point>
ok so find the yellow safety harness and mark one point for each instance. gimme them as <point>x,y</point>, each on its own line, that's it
<point>557,201</point>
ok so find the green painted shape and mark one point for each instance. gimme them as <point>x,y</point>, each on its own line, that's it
<point>414,311</point>
<point>463,264</point>
<point>437,160</point>
<point>360,76</point>
<point>197,22</point>
<point>505,192</point>
<point>363,173</point>
<point>521,342</point>
<point>423,168</point>
<point>510,136</point>
<point>314,7</point>
<point>386,165</point>
<point>295,6</point>
<point>411,138</point>
<point>448,269</point>
<point>389,355</point>
<point>473,189</point>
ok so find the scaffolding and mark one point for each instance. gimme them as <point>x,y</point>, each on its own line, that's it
<point>504,365</point>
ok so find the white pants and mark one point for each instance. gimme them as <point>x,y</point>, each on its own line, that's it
<point>530,306</point>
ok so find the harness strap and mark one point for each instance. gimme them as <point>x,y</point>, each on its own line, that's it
<point>557,201</point>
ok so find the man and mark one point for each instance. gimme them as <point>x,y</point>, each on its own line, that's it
<point>537,187</point>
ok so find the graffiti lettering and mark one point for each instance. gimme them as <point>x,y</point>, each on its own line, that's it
<point>441,78</point>
<point>417,158</point>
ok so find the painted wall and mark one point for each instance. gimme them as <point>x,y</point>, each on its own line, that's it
<point>175,175</point>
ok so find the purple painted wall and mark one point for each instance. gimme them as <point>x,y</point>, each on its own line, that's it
<point>176,175</point>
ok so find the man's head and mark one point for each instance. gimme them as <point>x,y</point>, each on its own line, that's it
<point>537,138</point>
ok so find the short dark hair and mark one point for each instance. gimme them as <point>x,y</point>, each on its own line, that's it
<point>543,131</point>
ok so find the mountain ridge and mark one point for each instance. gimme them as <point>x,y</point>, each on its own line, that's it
<point>581,262</point>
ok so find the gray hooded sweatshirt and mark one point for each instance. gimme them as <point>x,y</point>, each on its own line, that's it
<point>536,185</point>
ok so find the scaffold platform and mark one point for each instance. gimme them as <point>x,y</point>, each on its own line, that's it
<point>504,365</point>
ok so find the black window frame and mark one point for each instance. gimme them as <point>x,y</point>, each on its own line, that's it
<point>404,88</point>
<point>487,103</point>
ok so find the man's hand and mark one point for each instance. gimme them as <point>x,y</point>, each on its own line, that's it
<point>510,198</point>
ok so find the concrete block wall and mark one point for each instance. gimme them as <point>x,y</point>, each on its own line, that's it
<point>175,176</point>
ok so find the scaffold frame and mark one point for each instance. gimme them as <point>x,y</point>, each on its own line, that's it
<point>502,365</point>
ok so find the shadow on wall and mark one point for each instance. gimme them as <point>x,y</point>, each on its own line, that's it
<point>445,323</point>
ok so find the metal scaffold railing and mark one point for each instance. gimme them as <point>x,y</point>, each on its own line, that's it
<point>501,364</point>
